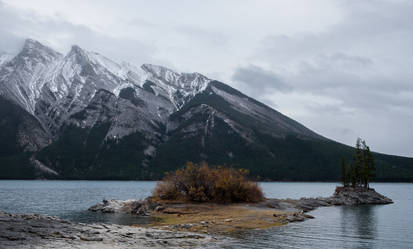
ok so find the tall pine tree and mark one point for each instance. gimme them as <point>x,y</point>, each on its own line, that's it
<point>359,161</point>
<point>344,173</point>
<point>370,167</point>
<point>361,170</point>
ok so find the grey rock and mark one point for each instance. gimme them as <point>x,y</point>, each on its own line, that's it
<point>90,238</point>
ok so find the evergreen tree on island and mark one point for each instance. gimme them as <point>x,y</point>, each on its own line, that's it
<point>361,170</point>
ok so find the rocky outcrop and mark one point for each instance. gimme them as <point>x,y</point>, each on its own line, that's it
<point>33,231</point>
<point>357,196</point>
<point>343,196</point>
<point>116,206</point>
<point>138,207</point>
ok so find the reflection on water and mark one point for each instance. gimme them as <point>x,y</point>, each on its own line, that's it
<point>362,222</point>
<point>371,227</point>
<point>67,199</point>
<point>111,218</point>
<point>334,227</point>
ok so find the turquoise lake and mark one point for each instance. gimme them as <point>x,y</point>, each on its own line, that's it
<point>386,226</point>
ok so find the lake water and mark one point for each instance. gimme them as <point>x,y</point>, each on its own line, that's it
<point>387,226</point>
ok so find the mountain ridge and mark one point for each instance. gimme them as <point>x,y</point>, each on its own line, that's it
<point>98,119</point>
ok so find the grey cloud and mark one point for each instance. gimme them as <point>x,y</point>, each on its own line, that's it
<point>256,80</point>
<point>10,40</point>
<point>346,131</point>
<point>61,34</point>
<point>370,29</point>
<point>216,39</point>
<point>140,23</point>
<point>346,61</point>
<point>353,88</point>
<point>363,62</point>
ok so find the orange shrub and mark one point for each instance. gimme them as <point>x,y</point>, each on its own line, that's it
<point>202,183</point>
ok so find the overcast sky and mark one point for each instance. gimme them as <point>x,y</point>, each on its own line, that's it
<point>343,68</point>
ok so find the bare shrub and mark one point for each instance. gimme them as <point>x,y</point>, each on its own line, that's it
<point>202,183</point>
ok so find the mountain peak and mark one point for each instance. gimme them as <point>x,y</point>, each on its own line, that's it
<point>33,47</point>
<point>29,43</point>
<point>76,50</point>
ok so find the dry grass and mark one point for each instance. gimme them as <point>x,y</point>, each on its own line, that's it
<point>201,183</point>
<point>217,218</point>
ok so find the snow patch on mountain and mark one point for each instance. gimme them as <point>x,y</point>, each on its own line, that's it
<point>178,87</point>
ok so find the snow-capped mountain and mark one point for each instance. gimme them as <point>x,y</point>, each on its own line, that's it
<point>21,77</point>
<point>52,87</point>
<point>82,115</point>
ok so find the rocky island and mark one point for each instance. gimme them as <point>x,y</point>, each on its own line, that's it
<point>214,218</point>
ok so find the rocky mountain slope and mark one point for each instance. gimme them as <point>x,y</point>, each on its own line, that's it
<point>84,116</point>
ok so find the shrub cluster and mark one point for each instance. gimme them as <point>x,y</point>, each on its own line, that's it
<point>202,183</point>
